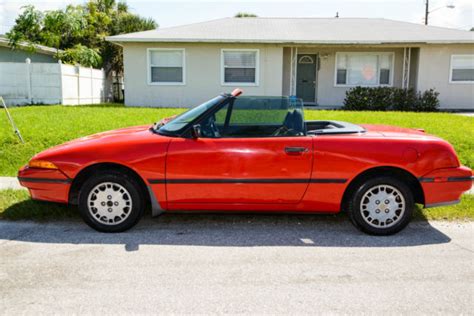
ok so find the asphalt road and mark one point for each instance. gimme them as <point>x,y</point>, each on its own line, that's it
<point>236,264</point>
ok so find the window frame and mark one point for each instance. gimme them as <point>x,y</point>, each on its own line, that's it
<point>257,67</point>
<point>346,85</point>
<point>165,83</point>
<point>451,70</point>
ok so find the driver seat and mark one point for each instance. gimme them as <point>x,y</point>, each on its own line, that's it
<point>294,121</point>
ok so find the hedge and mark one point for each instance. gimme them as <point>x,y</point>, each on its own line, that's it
<point>390,99</point>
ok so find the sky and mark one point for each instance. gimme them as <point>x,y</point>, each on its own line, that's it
<point>177,12</point>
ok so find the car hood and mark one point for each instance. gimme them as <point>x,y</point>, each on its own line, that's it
<point>124,136</point>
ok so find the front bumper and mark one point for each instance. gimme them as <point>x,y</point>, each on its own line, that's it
<point>445,186</point>
<point>45,184</point>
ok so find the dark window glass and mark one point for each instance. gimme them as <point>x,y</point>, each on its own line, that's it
<point>341,76</point>
<point>257,117</point>
<point>166,74</point>
<point>239,75</point>
<point>463,75</point>
<point>384,76</point>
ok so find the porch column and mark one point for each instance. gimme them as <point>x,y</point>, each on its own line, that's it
<point>406,67</point>
<point>293,68</point>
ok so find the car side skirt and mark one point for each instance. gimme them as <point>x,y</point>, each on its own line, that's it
<point>442,204</point>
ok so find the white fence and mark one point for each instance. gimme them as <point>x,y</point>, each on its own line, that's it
<point>43,83</point>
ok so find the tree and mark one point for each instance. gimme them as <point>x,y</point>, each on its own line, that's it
<point>245,15</point>
<point>80,31</point>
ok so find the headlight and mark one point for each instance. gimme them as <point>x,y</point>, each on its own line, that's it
<point>42,164</point>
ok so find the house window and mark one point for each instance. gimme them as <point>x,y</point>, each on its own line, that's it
<point>240,67</point>
<point>462,69</point>
<point>364,69</point>
<point>166,66</point>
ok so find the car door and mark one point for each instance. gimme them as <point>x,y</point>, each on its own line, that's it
<point>238,170</point>
<point>250,151</point>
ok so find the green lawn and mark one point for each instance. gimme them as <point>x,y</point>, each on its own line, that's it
<point>45,126</point>
<point>16,205</point>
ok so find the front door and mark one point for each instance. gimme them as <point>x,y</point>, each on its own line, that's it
<point>237,170</point>
<point>306,77</point>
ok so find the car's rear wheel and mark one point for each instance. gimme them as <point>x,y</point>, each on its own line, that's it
<point>111,202</point>
<point>381,206</point>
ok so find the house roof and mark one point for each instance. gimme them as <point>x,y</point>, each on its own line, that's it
<point>302,31</point>
<point>38,48</point>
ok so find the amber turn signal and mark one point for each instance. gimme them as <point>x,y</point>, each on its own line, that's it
<point>42,164</point>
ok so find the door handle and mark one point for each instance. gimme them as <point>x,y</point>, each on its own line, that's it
<point>295,150</point>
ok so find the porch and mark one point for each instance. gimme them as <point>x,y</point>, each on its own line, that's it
<point>321,75</point>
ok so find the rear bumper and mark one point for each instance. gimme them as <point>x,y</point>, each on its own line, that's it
<point>445,186</point>
<point>45,184</point>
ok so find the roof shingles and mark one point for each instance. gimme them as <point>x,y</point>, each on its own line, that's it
<point>301,30</point>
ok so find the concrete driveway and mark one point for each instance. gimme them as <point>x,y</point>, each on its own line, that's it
<point>236,264</point>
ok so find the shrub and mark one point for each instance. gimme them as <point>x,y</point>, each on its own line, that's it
<point>390,99</point>
<point>427,101</point>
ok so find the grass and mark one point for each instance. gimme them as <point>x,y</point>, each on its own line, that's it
<point>46,126</point>
<point>16,205</point>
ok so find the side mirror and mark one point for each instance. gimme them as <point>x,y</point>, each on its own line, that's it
<point>196,131</point>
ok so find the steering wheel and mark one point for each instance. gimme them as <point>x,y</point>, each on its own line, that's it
<point>281,131</point>
<point>209,129</point>
<point>285,131</point>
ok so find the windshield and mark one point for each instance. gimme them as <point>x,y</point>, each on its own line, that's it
<point>179,122</point>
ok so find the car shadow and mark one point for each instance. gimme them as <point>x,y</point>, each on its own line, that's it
<point>215,230</point>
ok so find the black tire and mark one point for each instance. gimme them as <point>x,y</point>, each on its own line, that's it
<point>127,191</point>
<point>360,215</point>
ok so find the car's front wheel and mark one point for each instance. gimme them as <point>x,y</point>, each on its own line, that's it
<point>381,206</point>
<point>111,202</point>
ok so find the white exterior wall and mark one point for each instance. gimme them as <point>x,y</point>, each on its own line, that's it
<point>50,83</point>
<point>433,72</point>
<point>202,73</point>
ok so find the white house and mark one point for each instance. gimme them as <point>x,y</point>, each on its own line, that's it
<point>316,59</point>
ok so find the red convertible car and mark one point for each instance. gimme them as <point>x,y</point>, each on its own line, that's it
<point>250,154</point>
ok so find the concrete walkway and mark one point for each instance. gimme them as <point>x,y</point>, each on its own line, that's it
<point>12,183</point>
<point>471,114</point>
